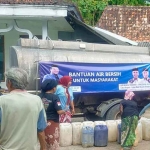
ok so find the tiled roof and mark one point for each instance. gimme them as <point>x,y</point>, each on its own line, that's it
<point>36,2</point>
<point>132,22</point>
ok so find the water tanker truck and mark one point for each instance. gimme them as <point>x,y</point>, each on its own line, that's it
<point>101,73</point>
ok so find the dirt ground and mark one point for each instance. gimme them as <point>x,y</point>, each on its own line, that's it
<point>144,145</point>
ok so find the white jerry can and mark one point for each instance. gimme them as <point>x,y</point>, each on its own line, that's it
<point>137,137</point>
<point>147,114</point>
<point>145,128</point>
<point>118,121</point>
<point>65,134</point>
<point>142,120</point>
<point>140,131</point>
<point>112,130</point>
<point>76,133</point>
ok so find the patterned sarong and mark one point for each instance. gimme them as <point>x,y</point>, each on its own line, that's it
<point>52,135</point>
<point>128,127</point>
<point>65,118</point>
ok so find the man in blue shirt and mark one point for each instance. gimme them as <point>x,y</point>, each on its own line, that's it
<point>54,74</point>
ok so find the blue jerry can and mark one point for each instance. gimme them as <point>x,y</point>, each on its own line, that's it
<point>119,133</point>
<point>100,135</point>
<point>87,136</point>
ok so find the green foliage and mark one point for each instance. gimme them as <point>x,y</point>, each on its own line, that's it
<point>127,2</point>
<point>91,10</point>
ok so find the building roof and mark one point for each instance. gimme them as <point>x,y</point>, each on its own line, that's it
<point>72,9</point>
<point>132,22</point>
<point>117,39</point>
<point>107,36</point>
<point>35,2</point>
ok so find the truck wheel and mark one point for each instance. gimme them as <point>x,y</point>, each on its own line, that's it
<point>113,113</point>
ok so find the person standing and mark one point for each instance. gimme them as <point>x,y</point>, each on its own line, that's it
<point>53,110</point>
<point>129,120</point>
<point>54,73</point>
<point>22,115</point>
<point>65,94</point>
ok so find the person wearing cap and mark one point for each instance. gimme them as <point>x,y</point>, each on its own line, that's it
<point>54,73</point>
<point>145,79</point>
<point>53,110</point>
<point>135,79</point>
<point>22,115</point>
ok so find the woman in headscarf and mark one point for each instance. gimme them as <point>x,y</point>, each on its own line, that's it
<point>53,110</point>
<point>129,120</point>
<point>65,94</point>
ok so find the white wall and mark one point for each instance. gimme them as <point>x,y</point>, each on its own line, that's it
<point>35,26</point>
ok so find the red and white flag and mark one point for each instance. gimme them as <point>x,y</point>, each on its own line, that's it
<point>58,103</point>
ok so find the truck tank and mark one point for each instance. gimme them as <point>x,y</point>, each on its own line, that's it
<point>28,52</point>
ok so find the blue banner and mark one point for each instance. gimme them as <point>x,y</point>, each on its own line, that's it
<point>99,77</point>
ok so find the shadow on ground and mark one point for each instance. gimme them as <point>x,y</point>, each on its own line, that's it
<point>144,145</point>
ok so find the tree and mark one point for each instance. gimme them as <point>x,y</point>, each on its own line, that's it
<point>91,9</point>
<point>127,2</point>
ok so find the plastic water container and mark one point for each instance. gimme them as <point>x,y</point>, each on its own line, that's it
<point>137,137</point>
<point>65,134</point>
<point>100,135</point>
<point>142,120</point>
<point>76,133</point>
<point>87,136</point>
<point>119,133</point>
<point>146,129</point>
<point>140,131</point>
<point>112,130</point>
<point>88,123</point>
<point>99,123</point>
<point>147,114</point>
<point>118,121</point>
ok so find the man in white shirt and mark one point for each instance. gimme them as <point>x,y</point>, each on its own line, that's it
<point>135,79</point>
<point>145,79</point>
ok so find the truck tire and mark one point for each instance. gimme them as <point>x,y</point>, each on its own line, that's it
<point>113,113</point>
